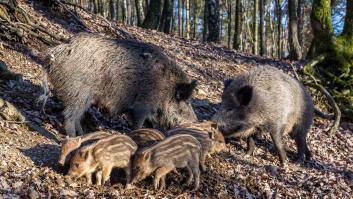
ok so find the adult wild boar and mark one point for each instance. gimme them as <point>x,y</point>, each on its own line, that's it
<point>124,76</point>
<point>269,100</point>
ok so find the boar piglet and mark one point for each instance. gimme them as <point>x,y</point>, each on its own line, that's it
<point>69,145</point>
<point>146,137</point>
<point>124,76</point>
<point>218,141</point>
<point>206,139</point>
<point>268,100</point>
<point>102,156</point>
<point>177,151</point>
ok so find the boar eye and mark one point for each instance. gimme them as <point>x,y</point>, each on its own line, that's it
<point>76,165</point>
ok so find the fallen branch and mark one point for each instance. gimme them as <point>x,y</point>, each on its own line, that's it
<point>333,104</point>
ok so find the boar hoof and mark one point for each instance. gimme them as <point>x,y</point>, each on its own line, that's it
<point>107,183</point>
<point>129,186</point>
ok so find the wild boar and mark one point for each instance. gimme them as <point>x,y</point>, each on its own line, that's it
<point>146,137</point>
<point>207,140</point>
<point>115,151</point>
<point>269,100</point>
<point>218,141</point>
<point>69,145</point>
<point>123,76</point>
<point>177,151</point>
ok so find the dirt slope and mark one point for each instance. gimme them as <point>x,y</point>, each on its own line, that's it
<point>28,159</point>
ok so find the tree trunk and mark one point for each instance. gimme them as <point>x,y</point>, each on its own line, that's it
<point>213,20</point>
<point>153,15</point>
<point>205,22</point>
<point>348,20</point>
<point>262,29</point>
<point>183,18</point>
<point>95,6</point>
<point>167,14</point>
<point>255,28</point>
<point>336,69</point>
<point>195,18</point>
<point>187,20</point>
<point>322,28</point>
<point>179,18</point>
<point>101,7</point>
<point>237,25</point>
<point>279,28</point>
<point>139,12</point>
<point>300,15</point>
<point>124,11</point>
<point>112,4</point>
<point>229,22</point>
<point>295,52</point>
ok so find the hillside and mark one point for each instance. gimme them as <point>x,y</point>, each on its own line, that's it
<point>28,158</point>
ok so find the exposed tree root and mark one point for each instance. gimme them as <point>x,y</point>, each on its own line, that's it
<point>313,83</point>
<point>16,21</point>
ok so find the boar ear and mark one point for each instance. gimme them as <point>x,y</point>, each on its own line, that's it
<point>214,125</point>
<point>226,83</point>
<point>146,156</point>
<point>244,95</point>
<point>184,91</point>
<point>146,56</point>
<point>211,134</point>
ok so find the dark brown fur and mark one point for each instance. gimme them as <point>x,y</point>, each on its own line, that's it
<point>269,100</point>
<point>124,76</point>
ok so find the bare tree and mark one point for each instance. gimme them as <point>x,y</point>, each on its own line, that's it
<point>262,28</point>
<point>255,28</point>
<point>229,22</point>
<point>213,20</point>
<point>167,14</point>
<point>279,28</point>
<point>153,15</point>
<point>295,51</point>
<point>237,25</point>
<point>139,12</point>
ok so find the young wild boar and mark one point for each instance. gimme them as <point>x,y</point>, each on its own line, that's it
<point>69,145</point>
<point>218,142</point>
<point>146,137</point>
<point>177,151</point>
<point>269,100</point>
<point>208,142</point>
<point>101,157</point>
<point>124,76</point>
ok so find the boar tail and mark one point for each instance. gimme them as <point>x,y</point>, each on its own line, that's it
<point>48,60</point>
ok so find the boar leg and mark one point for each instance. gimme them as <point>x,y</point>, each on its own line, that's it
<point>251,146</point>
<point>138,116</point>
<point>106,170</point>
<point>202,161</point>
<point>190,176</point>
<point>159,178</point>
<point>73,114</point>
<point>99,177</point>
<point>128,175</point>
<point>88,177</point>
<point>302,146</point>
<point>276,136</point>
<point>196,173</point>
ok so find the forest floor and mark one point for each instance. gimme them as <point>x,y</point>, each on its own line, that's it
<point>28,159</point>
